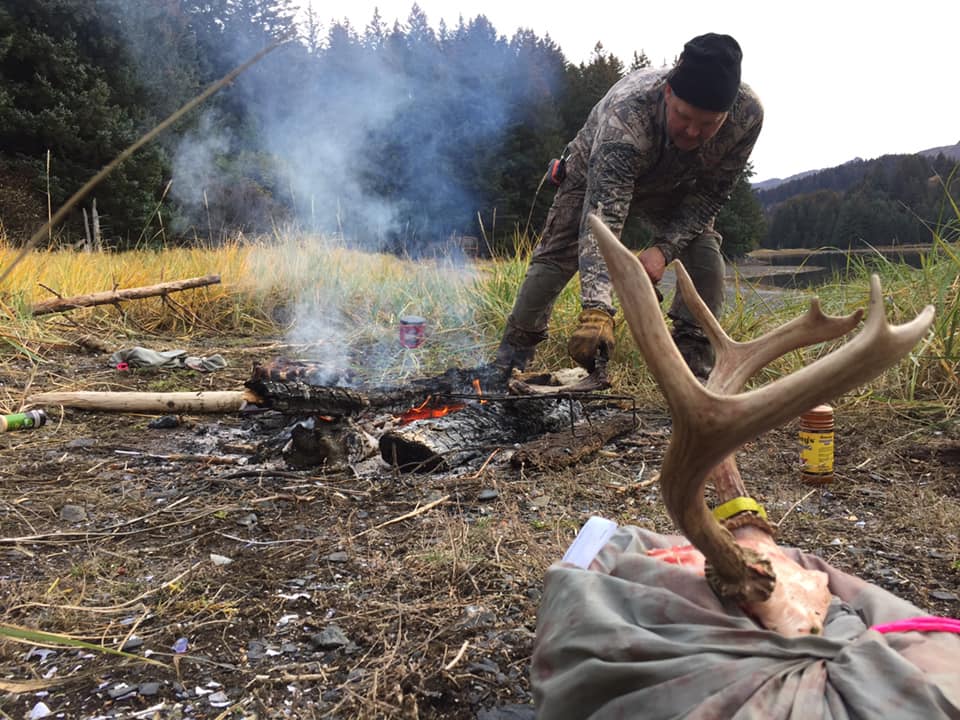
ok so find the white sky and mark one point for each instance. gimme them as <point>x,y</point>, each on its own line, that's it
<point>838,80</point>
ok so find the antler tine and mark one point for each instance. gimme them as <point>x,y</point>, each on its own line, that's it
<point>737,362</point>
<point>707,427</point>
<point>642,312</point>
<point>877,347</point>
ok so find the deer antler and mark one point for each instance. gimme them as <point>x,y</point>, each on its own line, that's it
<point>737,362</point>
<point>709,426</point>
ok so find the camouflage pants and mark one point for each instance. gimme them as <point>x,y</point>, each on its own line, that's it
<point>559,257</point>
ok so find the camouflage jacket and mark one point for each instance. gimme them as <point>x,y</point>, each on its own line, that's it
<point>625,157</point>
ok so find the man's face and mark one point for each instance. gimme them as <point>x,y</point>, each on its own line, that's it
<point>688,126</point>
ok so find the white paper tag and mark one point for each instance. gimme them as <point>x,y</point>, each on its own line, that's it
<point>592,537</point>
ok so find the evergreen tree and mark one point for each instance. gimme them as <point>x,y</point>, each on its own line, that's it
<point>375,32</point>
<point>586,85</point>
<point>312,28</point>
<point>740,221</point>
<point>70,87</point>
<point>639,61</point>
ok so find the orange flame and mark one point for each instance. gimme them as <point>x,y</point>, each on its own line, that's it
<point>423,412</point>
<point>476,386</point>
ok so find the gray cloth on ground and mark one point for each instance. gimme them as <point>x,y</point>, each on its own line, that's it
<point>635,636</point>
<point>146,358</point>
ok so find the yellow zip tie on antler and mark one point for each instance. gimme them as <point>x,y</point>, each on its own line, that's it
<point>737,506</point>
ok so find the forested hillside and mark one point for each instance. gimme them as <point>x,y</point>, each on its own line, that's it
<point>402,137</point>
<point>892,200</point>
<point>399,136</point>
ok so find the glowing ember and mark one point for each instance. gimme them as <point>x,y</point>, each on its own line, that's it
<point>424,411</point>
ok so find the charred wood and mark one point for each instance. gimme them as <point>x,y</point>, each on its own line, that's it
<point>297,386</point>
<point>558,450</point>
<point>317,445</point>
<point>441,444</point>
<point>295,396</point>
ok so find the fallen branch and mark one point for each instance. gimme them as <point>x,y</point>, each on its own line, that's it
<point>218,401</point>
<point>458,657</point>
<point>113,296</point>
<point>405,516</point>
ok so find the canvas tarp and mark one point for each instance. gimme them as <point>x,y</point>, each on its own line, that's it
<point>636,637</point>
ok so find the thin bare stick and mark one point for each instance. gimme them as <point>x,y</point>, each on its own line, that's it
<point>793,507</point>
<point>405,516</point>
<point>485,463</point>
<point>248,541</point>
<point>458,657</point>
<point>49,203</point>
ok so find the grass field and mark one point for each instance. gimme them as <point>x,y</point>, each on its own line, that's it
<point>319,294</point>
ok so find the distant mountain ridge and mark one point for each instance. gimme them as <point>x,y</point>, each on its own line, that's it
<point>895,199</point>
<point>950,151</point>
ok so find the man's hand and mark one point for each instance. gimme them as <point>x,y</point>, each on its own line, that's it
<point>654,263</point>
<point>593,336</point>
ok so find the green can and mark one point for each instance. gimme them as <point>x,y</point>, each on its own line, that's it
<point>22,421</point>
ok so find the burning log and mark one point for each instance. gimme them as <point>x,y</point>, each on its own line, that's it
<point>442,443</point>
<point>444,420</point>
<point>302,386</point>
<point>297,386</point>
<point>295,397</point>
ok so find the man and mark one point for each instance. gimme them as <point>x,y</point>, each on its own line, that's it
<point>670,145</point>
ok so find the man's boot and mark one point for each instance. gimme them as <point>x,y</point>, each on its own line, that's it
<point>510,356</point>
<point>526,326</point>
<point>694,347</point>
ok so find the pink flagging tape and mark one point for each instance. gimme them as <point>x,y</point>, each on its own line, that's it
<point>920,624</point>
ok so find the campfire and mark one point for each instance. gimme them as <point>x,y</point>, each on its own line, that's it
<point>427,424</point>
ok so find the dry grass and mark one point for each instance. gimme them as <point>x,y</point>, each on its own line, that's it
<point>435,591</point>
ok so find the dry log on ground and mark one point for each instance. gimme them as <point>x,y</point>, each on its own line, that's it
<point>149,402</point>
<point>114,296</point>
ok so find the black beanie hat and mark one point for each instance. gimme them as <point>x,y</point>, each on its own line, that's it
<point>708,73</point>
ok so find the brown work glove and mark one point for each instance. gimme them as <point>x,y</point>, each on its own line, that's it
<point>593,335</point>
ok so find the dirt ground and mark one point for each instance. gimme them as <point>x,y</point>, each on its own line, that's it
<point>263,591</point>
